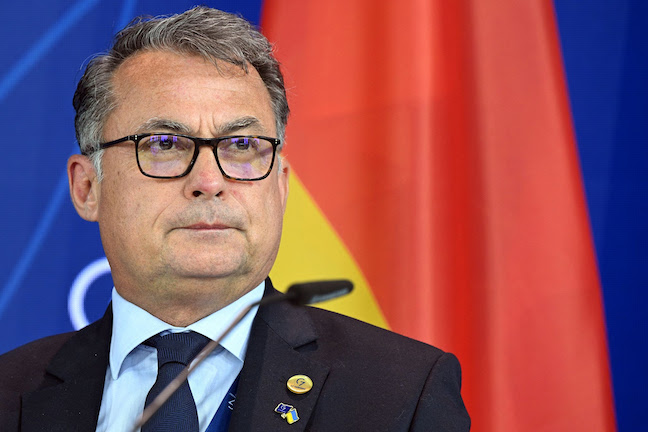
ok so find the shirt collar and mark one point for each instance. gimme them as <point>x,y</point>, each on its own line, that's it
<point>133,325</point>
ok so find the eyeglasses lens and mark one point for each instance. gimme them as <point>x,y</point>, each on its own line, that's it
<point>245,158</point>
<point>165,155</point>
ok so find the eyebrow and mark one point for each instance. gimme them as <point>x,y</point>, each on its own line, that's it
<point>238,124</point>
<point>159,124</point>
<point>232,126</point>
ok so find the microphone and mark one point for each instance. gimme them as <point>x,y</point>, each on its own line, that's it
<point>298,294</point>
<point>316,292</point>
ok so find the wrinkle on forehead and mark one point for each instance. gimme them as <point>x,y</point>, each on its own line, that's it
<point>158,124</point>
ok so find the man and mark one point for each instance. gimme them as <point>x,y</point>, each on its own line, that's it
<point>191,228</point>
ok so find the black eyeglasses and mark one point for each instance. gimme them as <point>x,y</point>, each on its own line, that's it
<point>245,158</point>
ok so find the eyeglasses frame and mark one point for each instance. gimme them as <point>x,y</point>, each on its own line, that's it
<point>198,142</point>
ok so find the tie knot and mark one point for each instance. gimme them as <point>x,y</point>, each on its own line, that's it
<point>177,347</point>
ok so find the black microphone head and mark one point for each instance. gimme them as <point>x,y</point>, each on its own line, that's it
<point>315,292</point>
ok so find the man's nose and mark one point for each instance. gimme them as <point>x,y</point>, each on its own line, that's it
<point>205,178</point>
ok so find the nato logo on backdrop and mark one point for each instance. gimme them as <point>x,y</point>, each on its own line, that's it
<point>90,293</point>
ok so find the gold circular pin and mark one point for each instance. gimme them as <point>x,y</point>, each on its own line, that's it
<point>299,384</point>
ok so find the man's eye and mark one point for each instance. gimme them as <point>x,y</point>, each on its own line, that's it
<point>162,142</point>
<point>166,143</point>
<point>241,143</point>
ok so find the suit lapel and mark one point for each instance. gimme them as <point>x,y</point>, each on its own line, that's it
<point>73,385</point>
<point>279,342</point>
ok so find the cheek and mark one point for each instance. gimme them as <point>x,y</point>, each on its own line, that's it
<point>262,207</point>
<point>273,211</point>
<point>126,207</point>
<point>115,216</point>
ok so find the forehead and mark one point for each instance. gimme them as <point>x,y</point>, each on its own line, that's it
<point>187,89</point>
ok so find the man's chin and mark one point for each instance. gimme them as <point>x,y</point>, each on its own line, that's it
<point>205,266</point>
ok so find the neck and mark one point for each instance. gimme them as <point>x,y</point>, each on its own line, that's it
<point>185,304</point>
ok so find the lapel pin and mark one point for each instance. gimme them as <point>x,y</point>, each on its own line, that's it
<point>300,384</point>
<point>287,412</point>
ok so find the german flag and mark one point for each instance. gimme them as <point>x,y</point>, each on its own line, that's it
<point>433,164</point>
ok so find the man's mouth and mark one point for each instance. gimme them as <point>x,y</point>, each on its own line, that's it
<point>208,226</point>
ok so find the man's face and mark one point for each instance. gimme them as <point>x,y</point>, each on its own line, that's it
<point>201,233</point>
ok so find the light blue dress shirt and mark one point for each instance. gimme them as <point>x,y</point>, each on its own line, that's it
<point>132,367</point>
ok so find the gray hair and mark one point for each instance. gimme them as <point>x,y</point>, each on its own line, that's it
<point>212,34</point>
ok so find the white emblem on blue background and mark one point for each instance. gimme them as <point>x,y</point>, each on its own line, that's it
<point>76,298</point>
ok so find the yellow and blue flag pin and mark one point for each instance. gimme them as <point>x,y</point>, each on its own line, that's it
<point>287,412</point>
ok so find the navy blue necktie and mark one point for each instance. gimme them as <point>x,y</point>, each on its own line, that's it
<point>174,351</point>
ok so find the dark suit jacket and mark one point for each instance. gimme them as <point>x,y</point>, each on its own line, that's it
<point>365,378</point>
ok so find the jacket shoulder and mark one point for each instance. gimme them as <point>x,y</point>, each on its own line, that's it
<point>423,381</point>
<point>23,368</point>
<point>359,338</point>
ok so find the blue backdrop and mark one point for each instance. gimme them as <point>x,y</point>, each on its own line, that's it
<point>50,256</point>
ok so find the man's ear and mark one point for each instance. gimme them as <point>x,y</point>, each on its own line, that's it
<point>283,180</point>
<point>84,187</point>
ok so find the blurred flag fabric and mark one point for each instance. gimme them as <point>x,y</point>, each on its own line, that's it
<point>433,163</point>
